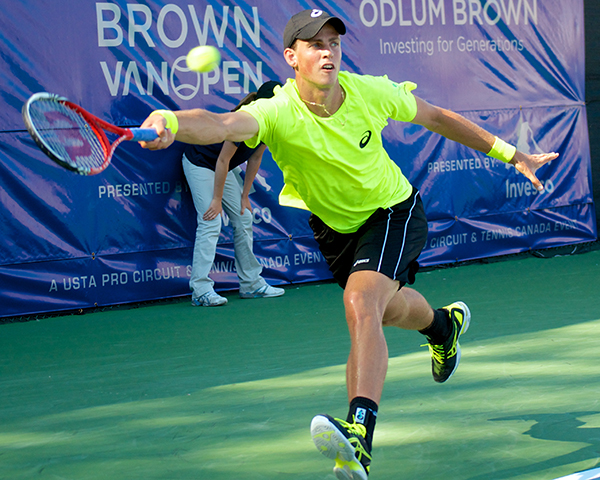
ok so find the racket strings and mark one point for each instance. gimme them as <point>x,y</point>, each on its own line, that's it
<point>67,135</point>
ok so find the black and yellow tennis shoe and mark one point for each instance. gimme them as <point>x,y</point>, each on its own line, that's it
<point>345,443</point>
<point>445,357</point>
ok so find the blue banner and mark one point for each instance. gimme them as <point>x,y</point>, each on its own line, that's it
<point>126,235</point>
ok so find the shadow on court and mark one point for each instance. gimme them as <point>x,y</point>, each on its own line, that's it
<point>556,427</point>
<point>175,392</point>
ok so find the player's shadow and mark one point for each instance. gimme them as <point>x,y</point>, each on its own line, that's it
<point>560,427</point>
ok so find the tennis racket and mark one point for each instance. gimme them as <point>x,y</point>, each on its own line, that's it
<point>73,137</point>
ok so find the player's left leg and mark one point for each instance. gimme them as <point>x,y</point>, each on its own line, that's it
<point>442,328</point>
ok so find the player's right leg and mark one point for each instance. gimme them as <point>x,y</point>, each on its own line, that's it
<point>349,442</point>
<point>365,298</point>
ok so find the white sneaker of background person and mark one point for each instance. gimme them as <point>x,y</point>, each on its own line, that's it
<point>209,299</point>
<point>266,291</point>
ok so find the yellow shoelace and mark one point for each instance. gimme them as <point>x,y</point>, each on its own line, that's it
<point>354,428</point>
<point>437,351</point>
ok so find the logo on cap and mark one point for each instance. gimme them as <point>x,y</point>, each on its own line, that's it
<point>316,13</point>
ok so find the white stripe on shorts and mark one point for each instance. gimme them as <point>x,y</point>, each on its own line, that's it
<point>403,238</point>
<point>405,229</point>
<point>387,229</point>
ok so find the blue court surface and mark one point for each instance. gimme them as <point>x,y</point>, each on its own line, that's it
<point>167,391</point>
<point>587,475</point>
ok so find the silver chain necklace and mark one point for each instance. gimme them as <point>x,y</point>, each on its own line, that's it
<point>324,107</point>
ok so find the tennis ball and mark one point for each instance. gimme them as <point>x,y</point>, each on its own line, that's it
<point>203,58</point>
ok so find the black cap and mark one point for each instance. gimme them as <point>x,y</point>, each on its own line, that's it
<point>307,24</point>
<point>266,89</point>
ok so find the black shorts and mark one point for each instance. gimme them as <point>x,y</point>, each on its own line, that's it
<point>389,242</point>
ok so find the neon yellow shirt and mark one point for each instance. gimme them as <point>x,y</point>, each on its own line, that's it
<point>336,166</point>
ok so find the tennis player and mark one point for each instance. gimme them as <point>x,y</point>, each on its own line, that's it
<point>323,129</point>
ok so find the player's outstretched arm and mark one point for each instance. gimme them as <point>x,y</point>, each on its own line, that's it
<point>199,127</point>
<point>456,127</point>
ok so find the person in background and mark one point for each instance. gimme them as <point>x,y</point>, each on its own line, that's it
<point>215,186</point>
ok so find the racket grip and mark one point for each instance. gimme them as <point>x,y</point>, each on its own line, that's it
<point>143,134</point>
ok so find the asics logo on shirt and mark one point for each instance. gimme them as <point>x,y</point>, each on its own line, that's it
<point>365,139</point>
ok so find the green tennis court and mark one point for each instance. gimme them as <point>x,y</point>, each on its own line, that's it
<point>167,391</point>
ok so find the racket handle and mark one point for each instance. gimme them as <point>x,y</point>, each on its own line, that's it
<point>143,134</point>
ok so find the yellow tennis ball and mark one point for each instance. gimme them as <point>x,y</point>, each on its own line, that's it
<point>203,58</point>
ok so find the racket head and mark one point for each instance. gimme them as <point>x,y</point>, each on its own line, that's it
<point>67,134</point>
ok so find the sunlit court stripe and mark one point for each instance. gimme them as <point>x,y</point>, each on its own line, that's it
<point>587,475</point>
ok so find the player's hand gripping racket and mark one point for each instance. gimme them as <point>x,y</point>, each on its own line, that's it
<point>73,137</point>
